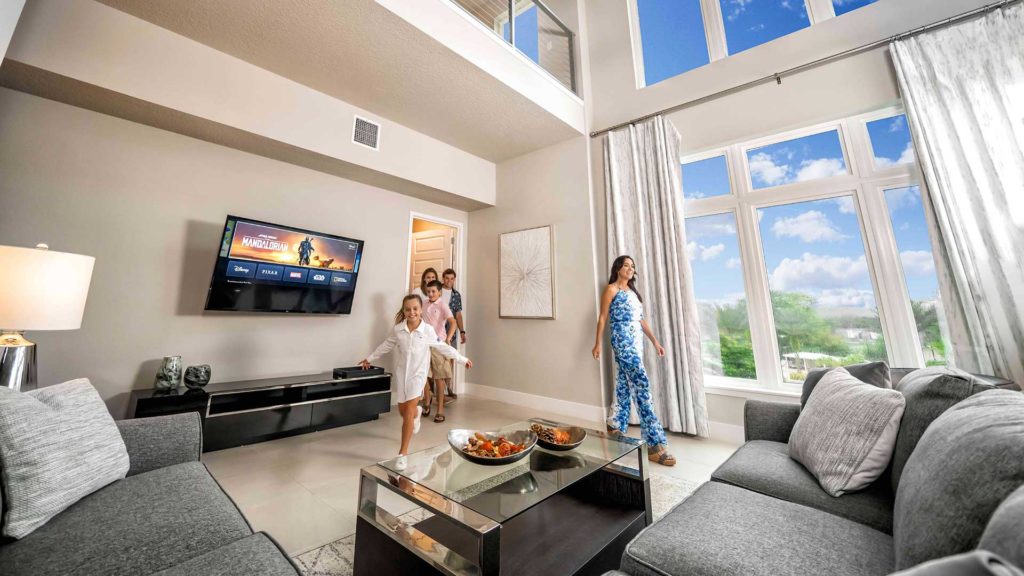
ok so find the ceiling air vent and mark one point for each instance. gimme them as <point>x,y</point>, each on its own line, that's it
<point>366,133</point>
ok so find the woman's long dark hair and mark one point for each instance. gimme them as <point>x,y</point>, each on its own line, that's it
<point>423,279</point>
<point>616,266</point>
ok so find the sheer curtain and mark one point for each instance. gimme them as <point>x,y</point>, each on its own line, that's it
<point>645,220</point>
<point>963,87</point>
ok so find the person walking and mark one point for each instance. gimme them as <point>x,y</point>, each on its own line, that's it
<point>621,303</point>
<point>437,314</point>
<point>455,305</point>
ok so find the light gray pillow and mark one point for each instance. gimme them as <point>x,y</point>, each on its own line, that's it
<point>846,433</point>
<point>58,444</point>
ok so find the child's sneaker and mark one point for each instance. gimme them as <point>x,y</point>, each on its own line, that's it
<point>401,462</point>
<point>416,423</point>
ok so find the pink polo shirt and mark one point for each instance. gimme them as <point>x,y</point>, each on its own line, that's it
<point>436,314</point>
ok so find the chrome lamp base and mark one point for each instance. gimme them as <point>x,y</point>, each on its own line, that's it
<point>17,361</point>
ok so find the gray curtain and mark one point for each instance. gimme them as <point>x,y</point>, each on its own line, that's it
<point>963,87</point>
<point>645,220</point>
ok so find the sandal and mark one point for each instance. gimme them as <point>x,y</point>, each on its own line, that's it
<point>439,418</point>
<point>662,457</point>
<point>614,432</point>
<point>425,410</point>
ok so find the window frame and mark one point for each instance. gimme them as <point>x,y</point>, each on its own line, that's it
<point>714,32</point>
<point>867,186</point>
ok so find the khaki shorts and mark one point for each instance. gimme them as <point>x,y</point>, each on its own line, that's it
<point>440,367</point>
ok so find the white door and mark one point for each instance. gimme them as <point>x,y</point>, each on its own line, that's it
<point>431,249</point>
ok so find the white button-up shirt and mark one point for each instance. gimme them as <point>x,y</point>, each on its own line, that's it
<point>412,365</point>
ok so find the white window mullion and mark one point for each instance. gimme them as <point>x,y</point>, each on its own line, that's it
<point>714,29</point>
<point>820,10</point>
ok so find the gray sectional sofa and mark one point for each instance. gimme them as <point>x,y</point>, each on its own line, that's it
<point>951,503</point>
<point>167,517</point>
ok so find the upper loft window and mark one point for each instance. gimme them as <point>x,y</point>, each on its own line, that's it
<point>750,23</point>
<point>672,35</point>
<point>843,6</point>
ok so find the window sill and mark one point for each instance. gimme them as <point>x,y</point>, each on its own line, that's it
<point>730,387</point>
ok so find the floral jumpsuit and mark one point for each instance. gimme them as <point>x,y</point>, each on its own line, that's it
<point>625,313</point>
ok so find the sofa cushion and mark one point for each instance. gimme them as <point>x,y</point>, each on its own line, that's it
<point>977,563</point>
<point>875,373</point>
<point>846,432</point>
<point>132,527</point>
<point>766,467</point>
<point>929,392</point>
<point>1004,534</point>
<point>966,463</point>
<point>58,445</point>
<point>255,555</point>
<point>721,529</point>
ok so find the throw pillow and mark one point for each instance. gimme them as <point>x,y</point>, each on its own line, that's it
<point>846,432</point>
<point>929,392</point>
<point>876,373</point>
<point>58,444</point>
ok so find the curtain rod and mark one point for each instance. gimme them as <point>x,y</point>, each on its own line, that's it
<point>777,77</point>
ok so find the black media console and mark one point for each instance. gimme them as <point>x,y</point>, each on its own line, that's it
<point>249,411</point>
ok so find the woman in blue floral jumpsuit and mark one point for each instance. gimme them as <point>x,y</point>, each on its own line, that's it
<point>621,304</point>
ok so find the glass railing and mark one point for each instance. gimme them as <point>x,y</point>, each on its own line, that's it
<point>533,29</point>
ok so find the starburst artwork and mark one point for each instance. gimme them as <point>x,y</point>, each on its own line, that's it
<point>527,276</point>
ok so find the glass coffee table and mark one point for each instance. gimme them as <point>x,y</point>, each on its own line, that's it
<point>551,513</point>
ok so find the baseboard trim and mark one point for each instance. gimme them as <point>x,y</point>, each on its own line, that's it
<point>718,430</point>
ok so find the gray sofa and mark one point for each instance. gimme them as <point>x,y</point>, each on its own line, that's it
<point>953,496</point>
<point>167,517</point>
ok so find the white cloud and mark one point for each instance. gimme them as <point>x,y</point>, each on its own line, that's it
<point>810,226</point>
<point>710,226</point>
<point>763,168</point>
<point>906,157</point>
<point>917,262</point>
<point>736,8</point>
<point>846,205</point>
<point>813,273</point>
<point>846,297</point>
<point>899,122</point>
<point>820,168</point>
<point>732,263</point>
<point>704,253</point>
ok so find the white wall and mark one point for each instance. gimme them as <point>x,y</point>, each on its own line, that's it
<point>150,206</point>
<point>10,11</point>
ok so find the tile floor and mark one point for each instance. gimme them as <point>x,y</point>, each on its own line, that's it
<point>302,490</point>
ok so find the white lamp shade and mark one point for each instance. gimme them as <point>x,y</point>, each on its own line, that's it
<point>42,290</point>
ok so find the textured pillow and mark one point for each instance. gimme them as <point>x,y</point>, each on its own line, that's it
<point>1004,533</point>
<point>58,444</point>
<point>846,432</point>
<point>977,563</point>
<point>965,465</point>
<point>875,373</point>
<point>929,393</point>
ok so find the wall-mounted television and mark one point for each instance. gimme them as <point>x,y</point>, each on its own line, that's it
<point>264,267</point>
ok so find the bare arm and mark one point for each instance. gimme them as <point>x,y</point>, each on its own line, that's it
<point>602,318</point>
<point>462,327</point>
<point>449,352</point>
<point>450,322</point>
<point>650,336</point>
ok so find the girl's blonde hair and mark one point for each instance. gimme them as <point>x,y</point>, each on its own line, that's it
<point>401,311</point>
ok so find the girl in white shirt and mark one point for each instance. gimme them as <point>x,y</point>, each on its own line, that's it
<point>413,337</point>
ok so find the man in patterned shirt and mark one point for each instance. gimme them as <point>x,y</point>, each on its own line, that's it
<point>455,304</point>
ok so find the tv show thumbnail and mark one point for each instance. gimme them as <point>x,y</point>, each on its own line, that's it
<point>280,246</point>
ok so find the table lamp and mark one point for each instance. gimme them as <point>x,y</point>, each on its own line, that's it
<point>39,290</point>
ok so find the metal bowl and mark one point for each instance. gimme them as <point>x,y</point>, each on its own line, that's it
<point>576,437</point>
<point>458,439</point>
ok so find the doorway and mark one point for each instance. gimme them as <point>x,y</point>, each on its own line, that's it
<point>436,243</point>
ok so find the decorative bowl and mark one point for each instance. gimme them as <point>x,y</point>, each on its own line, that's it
<point>576,436</point>
<point>459,438</point>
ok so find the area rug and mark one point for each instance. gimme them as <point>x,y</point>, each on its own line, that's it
<point>335,559</point>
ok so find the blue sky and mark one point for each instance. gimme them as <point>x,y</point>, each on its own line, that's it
<point>526,33</point>
<point>891,141</point>
<point>672,34</point>
<point>907,215</point>
<point>844,6</point>
<point>715,258</point>
<point>807,158</point>
<point>705,178</point>
<point>750,23</point>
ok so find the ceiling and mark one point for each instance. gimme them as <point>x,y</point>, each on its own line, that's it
<point>360,52</point>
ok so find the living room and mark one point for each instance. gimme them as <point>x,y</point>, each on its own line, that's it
<point>228,193</point>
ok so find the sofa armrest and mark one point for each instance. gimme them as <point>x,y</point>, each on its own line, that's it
<point>161,441</point>
<point>769,420</point>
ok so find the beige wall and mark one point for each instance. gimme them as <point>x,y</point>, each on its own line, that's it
<point>149,205</point>
<point>542,357</point>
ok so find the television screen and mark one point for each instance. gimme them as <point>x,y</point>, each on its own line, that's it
<point>263,267</point>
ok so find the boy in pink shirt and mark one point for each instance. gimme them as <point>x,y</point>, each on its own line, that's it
<point>439,316</point>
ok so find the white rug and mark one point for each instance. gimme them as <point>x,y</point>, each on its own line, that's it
<point>335,559</point>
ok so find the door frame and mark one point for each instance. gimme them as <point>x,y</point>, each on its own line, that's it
<point>459,265</point>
